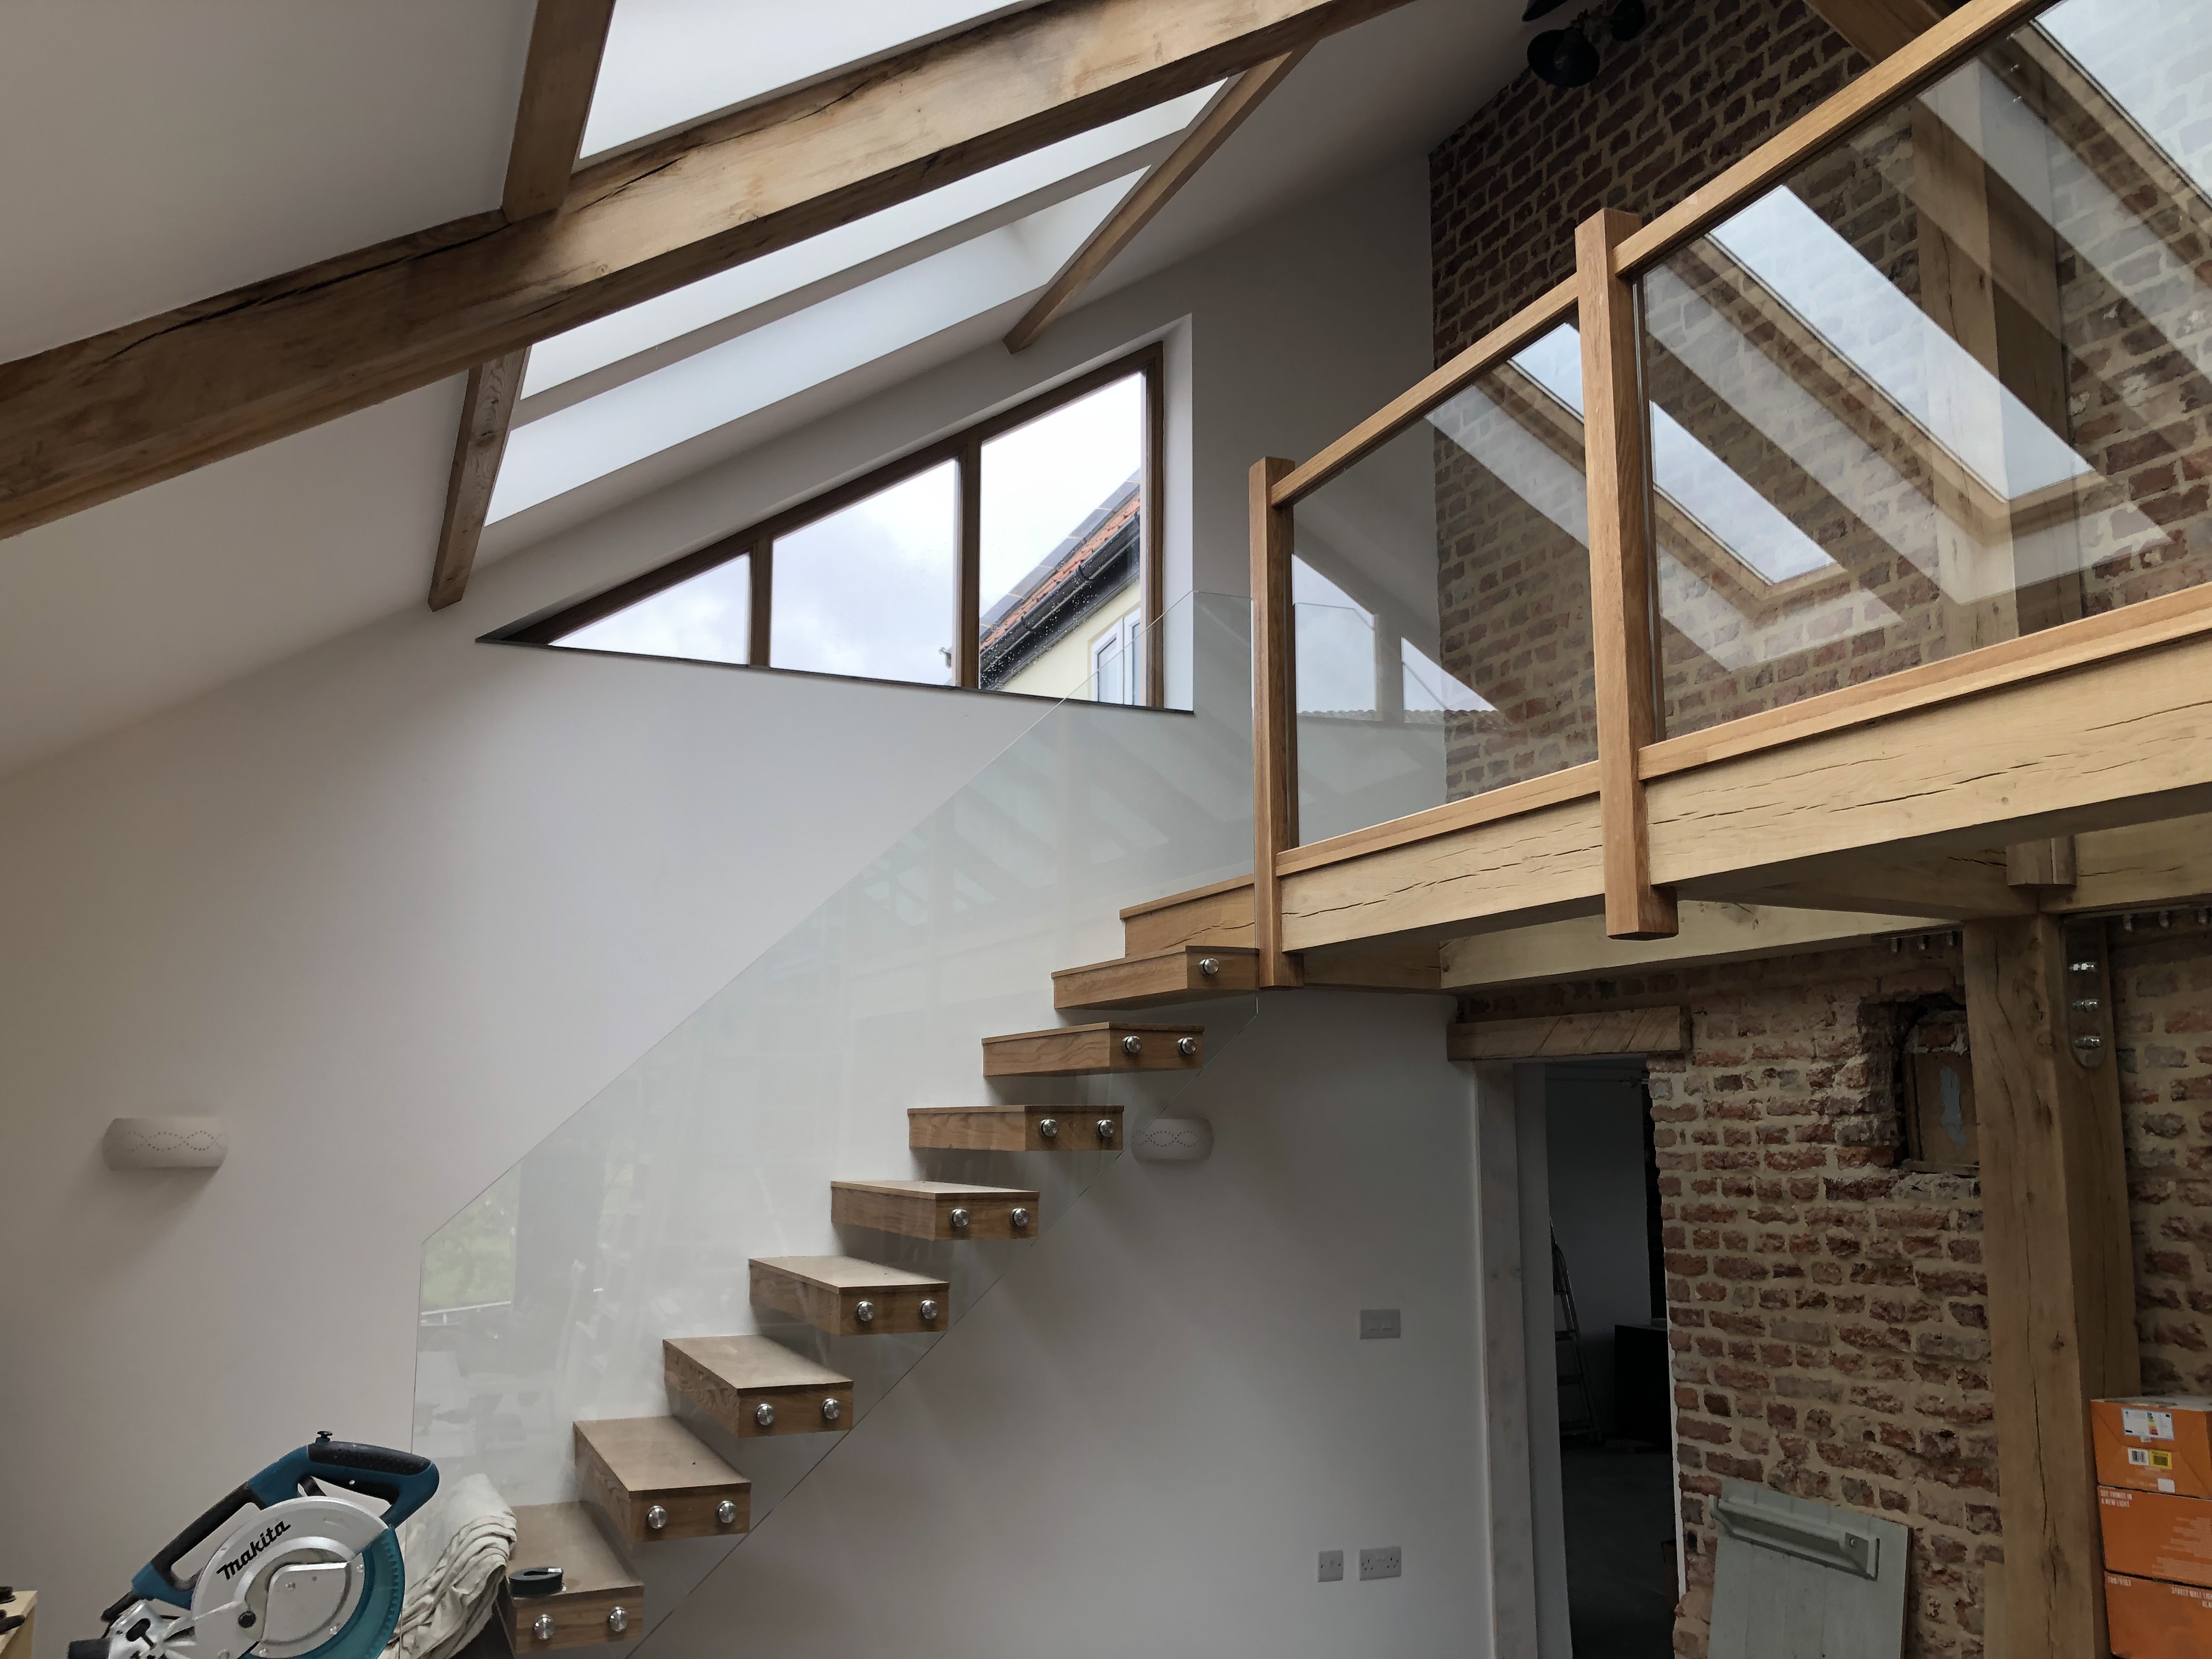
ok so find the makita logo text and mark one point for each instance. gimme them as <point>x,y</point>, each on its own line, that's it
<point>270,1535</point>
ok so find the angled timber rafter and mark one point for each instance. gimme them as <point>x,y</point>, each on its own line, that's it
<point>567,38</point>
<point>89,420</point>
<point>1207,134</point>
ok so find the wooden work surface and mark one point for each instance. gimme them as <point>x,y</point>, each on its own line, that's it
<point>1563,1037</point>
<point>18,1641</point>
<point>594,1580</point>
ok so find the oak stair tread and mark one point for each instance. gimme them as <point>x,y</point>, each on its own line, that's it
<point>594,1580</point>
<point>729,1379</point>
<point>937,1189</point>
<point>846,1297</point>
<point>1012,1128</point>
<point>631,1466</point>
<point>848,1273</point>
<point>751,1363</point>
<point>1079,1050</point>
<point>1179,973</point>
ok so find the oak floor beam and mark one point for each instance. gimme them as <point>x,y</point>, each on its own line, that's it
<point>567,39</point>
<point>1154,191</point>
<point>2058,1251</point>
<point>89,420</point>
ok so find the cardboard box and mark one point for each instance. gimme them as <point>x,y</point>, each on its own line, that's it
<point>2154,1444</point>
<point>2155,1534</point>
<point>2154,1620</point>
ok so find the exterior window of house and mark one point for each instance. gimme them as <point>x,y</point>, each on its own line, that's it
<point>1016,556</point>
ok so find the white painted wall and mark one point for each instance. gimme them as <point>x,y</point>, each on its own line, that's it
<point>398,905</point>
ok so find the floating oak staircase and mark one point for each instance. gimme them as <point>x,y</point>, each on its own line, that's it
<point>648,1480</point>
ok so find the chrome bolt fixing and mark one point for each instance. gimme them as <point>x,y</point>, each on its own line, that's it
<point>2088,1043</point>
<point>764,1414</point>
<point>927,1309</point>
<point>1048,1128</point>
<point>1103,1129</point>
<point>865,1312</point>
<point>1209,966</point>
<point>2086,1005</point>
<point>1186,1047</point>
<point>1133,1046</point>
<point>958,1220</point>
<point>2083,967</point>
<point>656,1517</point>
<point>831,1411</point>
<point>542,1627</point>
<point>1020,1216</point>
<point>726,1512</point>
<point>617,1620</point>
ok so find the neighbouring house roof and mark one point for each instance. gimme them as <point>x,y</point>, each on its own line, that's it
<point>1091,562</point>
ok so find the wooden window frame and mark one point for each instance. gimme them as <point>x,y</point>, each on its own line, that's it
<point>963,447</point>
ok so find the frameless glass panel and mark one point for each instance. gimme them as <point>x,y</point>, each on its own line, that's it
<point>708,618</point>
<point>1062,549</point>
<point>1441,596</point>
<point>1938,389</point>
<point>546,1302</point>
<point>869,590</point>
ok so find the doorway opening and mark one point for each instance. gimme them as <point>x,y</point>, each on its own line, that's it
<point>1611,1363</point>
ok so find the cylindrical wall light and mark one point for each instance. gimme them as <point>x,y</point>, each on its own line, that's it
<point>165,1143</point>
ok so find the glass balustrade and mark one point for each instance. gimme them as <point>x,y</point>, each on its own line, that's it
<point>1442,592</point>
<point>546,1300</point>
<point>1947,386</point>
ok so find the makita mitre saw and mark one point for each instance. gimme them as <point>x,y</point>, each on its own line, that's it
<point>297,1576</point>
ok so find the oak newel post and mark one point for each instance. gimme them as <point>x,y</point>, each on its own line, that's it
<point>1274,718</point>
<point>1616,439</point>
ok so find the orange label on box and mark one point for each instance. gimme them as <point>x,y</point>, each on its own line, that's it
<point>2154,1620</point>
<point>2150,1534</point>
<point>2161,1444</point>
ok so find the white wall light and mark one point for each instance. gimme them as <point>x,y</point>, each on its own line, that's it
<point>165,1143</point>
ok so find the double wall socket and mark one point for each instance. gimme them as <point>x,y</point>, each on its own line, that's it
<point>1388,1562</point>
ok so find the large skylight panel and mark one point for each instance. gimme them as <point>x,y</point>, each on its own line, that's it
<point>668,63</point>
<point>2108,38</point>
<point>758,282</point>
<point>1690,476</point>
<point>1876,328</point>
<point>710,389</point>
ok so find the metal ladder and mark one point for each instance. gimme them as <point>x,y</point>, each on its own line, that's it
<point>1578,1412</point>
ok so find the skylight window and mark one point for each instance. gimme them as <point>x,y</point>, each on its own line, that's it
<point>1876,328</point>
<point>1121,145</point>
<point>670,63</point>
<point>696,395</point>
<point>2111,38</point>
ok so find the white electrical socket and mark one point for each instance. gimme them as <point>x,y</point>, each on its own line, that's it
<point>1388,1562</point>
<point>1332,1566</point>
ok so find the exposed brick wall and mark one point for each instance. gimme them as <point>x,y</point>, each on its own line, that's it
<point>2163,999</point>
<point>1827,1310</point>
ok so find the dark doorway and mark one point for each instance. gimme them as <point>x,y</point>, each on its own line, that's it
<point>1617,1468</point>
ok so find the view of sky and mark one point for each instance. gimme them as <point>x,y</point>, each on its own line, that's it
<point>709,617</point>
<point>1041,481</point>
<point>869,590</point>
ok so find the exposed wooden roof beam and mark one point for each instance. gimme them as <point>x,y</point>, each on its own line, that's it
<point>1206,135</point>
<point>91,420</point>
<point>567,41</point>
